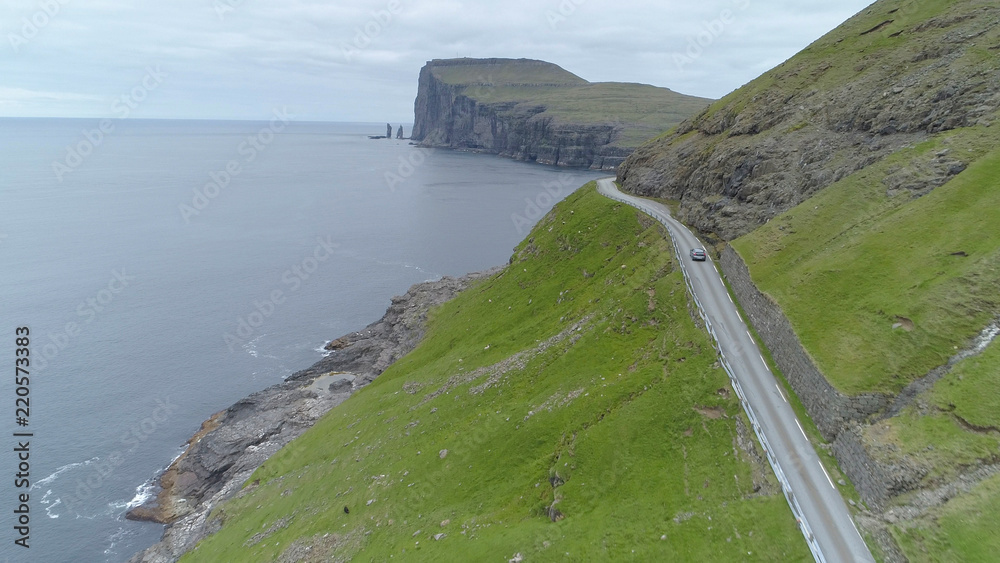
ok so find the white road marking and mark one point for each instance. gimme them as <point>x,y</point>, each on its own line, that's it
<point>701,283</point>
<point>801,430</point>
<point>762,360</point>
<point>730,299</point>
<point>827,475</point>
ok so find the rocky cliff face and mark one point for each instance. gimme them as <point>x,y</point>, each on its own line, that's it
<point>234,442</point>
<point>889,77</point>
<point>518,109</point>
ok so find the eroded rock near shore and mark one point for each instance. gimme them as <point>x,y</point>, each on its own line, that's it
<point>338,344</point>
<point>234,442</point>
<point>237,440</point>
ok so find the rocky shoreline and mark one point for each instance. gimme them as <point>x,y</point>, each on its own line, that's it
<point>234,442</point>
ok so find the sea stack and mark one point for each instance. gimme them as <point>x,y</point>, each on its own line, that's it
<point>388,130</point>
<point>399,132</point>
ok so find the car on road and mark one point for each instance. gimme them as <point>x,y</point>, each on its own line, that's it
<point>698,254</point>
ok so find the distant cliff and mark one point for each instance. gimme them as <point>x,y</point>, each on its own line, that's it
<point>536,111</point>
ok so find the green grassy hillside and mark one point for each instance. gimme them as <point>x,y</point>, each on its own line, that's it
<point>648,110</point>
<point>507,71</point>
<point>860,181</point>
<point>882,287</point>
<point>889,77</point>
<point>887,41</point>
<point>640,110</point>
<point>855,260</point>
<point>567,408</point>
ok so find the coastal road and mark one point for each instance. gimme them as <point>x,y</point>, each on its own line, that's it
<point>823,517</point>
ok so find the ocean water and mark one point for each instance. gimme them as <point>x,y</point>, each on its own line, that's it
<point>165,269</point>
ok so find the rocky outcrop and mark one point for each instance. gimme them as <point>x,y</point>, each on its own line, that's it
<point>234,442</point>
<point>506,107</point>
<point>887,78</point>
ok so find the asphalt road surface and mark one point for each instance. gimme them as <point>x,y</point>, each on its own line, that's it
<point>823,516</point>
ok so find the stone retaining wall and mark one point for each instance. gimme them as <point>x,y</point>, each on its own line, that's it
<point>829,409</point>
<point>837,415</point>
<point>876,482</point>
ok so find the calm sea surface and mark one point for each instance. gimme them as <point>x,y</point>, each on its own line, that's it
<point>165,269</point>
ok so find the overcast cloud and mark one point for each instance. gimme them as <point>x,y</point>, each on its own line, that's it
<point>359,60</point>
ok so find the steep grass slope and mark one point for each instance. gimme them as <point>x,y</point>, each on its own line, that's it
<point>890,292</point>
<point>568,408</point>
<point>858,180</point>
<point>894,289</point>
<point>891,76</point>
<point>882,287</point>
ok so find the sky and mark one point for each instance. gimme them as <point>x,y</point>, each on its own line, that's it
<point>359,60</point>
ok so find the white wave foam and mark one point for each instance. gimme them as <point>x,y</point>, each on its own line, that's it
<point>46,502</point>
<point>115,538</point>
<point>143,493</point>
<point>251,347</point>
<point>61,470</point>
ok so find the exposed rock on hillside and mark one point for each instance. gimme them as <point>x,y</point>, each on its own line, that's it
<point>234,442</point>
<point>536,111</point>
<point>888,77</point>
<point>897,74</point>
